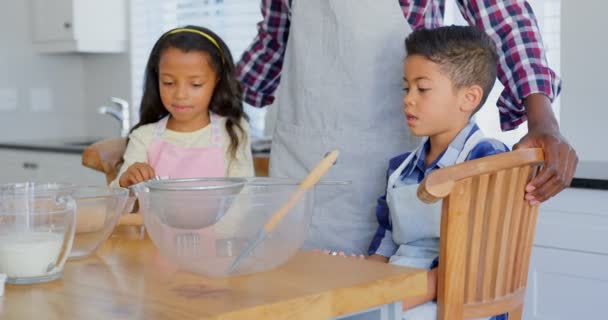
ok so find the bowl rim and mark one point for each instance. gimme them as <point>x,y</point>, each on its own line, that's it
<point>107,191</point>
<point>39,188</point>
<point>233,182</point>
<point>166,184</point>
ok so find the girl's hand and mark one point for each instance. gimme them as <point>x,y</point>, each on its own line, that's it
<point>136,173</point>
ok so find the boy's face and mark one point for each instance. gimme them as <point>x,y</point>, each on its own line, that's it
<point>430,101</point>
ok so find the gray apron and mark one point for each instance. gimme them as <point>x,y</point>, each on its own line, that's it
<point>341,88</point>
<point>416,225</point>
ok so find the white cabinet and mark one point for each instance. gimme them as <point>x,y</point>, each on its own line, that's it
<point>20,166</point>
<point>79,25</point>
<point>566,285</point>
<point>568,275</point>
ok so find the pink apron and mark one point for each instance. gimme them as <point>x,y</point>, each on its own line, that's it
<point>176,162</point>
<point>169,160</point>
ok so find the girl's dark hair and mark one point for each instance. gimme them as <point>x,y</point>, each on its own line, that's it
<point>227,97</point>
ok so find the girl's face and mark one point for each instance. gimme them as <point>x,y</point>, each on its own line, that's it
<point>186,81</point>
<point>430,101</point>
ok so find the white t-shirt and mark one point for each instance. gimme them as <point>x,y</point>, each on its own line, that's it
<point>142,137</point>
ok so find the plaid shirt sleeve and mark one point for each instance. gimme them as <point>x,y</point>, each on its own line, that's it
<point>523,67</point>
<point>259,69</point>
<point>423,13</point>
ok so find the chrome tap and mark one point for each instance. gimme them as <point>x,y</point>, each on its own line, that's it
<point>119,111</point>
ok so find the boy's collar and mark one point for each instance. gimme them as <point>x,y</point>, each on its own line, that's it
<point>449,156</point>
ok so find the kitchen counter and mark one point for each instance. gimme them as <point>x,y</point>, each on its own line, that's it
<point>591,175</point>
<point>67,145</point>
<point>259,147</point>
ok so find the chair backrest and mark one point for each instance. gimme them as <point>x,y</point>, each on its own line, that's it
<point>105,156</point>
<point>487,231</point>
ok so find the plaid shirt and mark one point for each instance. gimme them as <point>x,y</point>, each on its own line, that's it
<point>415,171</point>
<point>523,68</point>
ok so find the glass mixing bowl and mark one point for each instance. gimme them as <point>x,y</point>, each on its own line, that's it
<point>37,224</point>
<point>204,224</point>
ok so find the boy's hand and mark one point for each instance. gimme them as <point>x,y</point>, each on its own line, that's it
<point>342,254</point>
<point>136,173</point>
<point>339,253</point>
<point>377,257</point>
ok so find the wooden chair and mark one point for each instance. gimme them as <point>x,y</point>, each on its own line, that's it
<point>105,156</point>
<point>487,230</point>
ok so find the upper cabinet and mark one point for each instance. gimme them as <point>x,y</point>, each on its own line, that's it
<point>90,26</point>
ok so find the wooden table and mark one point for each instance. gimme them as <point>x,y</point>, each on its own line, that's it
<point>128,279</point>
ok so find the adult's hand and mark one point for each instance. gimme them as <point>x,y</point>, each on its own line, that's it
<point>560,157</point>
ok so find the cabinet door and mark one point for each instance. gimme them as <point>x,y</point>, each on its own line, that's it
<point>15,168</point>
<point>58,167</point>
<point>566,285</point>
<point>20,166</point>
<point>53,20</point>
<point>575,219</point>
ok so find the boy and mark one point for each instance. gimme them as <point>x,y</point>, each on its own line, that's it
<point>448,74</point>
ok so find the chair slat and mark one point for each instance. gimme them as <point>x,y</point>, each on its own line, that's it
<point>490,237</point>
<point>475,232</point>
<point>502,250</point>
<point>529,240</point>
<point>452,265</point>
<point>516,222</point>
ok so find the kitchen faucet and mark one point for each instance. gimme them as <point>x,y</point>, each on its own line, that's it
<point>120,111</point>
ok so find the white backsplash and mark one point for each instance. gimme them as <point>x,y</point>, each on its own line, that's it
<point>46,96</point>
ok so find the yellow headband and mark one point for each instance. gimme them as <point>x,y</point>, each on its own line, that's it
<point>208,37</point>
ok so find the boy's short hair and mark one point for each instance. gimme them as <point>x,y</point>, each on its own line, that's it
<point>465,54</point>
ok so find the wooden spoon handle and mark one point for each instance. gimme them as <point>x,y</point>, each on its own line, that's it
<point>310,180</point>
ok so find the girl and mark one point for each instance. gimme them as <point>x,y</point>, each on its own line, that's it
<point>192,122</point>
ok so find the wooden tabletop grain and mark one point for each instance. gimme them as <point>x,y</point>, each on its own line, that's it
<point>129,279</point>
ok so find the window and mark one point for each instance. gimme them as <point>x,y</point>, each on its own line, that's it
<point>233,20</point>
<point>548,16</point>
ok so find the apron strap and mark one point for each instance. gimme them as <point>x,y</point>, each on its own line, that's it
<point>160,127</point>
<point>397,173</point>
<point>471,143</point>
<point>216,137</point>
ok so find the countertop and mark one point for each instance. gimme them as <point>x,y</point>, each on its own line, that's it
<point>129,279</point>
<point>67,145</point>
<point>591,175</point>
<point>588,175</point>
<point>259,147</point>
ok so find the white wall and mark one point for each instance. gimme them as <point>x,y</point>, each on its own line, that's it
<point>584,113</point>
<point>22,70</point>
<point>106,75</point>
<point>76,85</point>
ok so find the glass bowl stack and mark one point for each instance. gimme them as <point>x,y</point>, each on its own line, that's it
<point>204,224</point>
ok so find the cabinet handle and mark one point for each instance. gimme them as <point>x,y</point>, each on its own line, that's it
<point>30,165</point>
<point>67,25</point>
